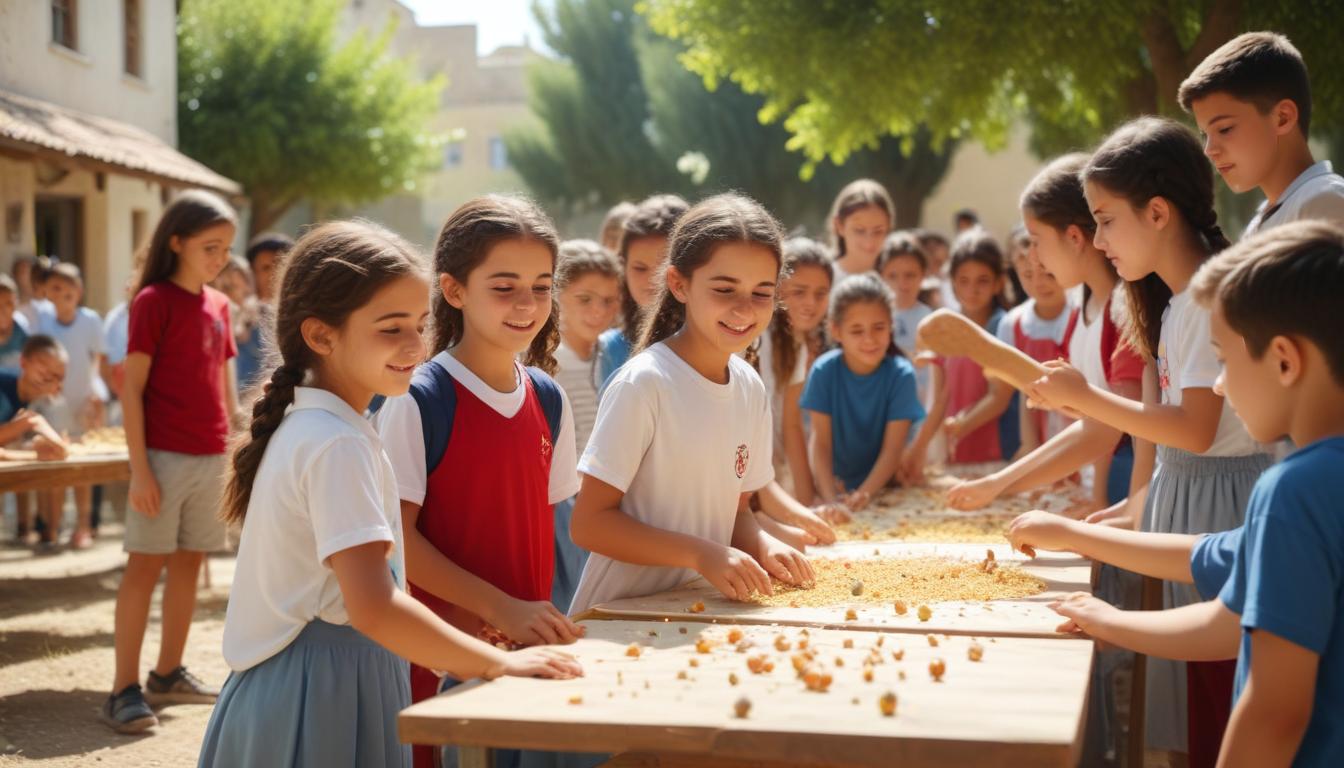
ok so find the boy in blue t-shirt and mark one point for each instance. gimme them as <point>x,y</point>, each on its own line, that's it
<point>1279,578</point>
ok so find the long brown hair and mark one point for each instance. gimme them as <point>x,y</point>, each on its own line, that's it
<point>191,212</point>
<point>334,269</point>
<point>727,218</point>
<point>1055,198</point>
<point>856,196</point>
<point>865,288</point>
<point>468,235</point>
<point>1157,157</point>
<point>798,252</point>
<point>653,217</point>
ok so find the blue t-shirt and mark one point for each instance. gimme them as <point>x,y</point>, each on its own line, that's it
<point>613,349</point>
<point>860,408</point>
<point>1288,579</point>
<point>9,394</point>
<point>12,348</point>
<point>1212,559</point>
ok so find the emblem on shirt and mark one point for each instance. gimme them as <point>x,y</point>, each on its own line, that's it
<point>545,447</point>
<point>740,464</point>
<point>1163,368</point>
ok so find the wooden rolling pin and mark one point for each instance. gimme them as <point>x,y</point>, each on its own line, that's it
<point>952,334</point>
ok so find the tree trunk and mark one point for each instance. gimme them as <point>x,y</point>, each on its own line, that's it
<point>1170,62</point>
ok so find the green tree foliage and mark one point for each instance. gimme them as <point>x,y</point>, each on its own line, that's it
<point>621,118</point>
<point>269,97</point>
<point>841,74</point>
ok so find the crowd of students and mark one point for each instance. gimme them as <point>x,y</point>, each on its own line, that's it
<point>443,461</point>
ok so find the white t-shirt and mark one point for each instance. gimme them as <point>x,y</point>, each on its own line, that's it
<point>682,449</point>
<point>798,375</point>
<point>1186,360</point>
<point>1317,193</point>
<point>83,342</point>
<point>398,421</point>
<point>578,378</point>
<point>324,485</point>
<point>1085,346</point>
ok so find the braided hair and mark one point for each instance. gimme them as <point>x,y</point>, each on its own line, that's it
<point>1156,157</point>
<point>334,269</point>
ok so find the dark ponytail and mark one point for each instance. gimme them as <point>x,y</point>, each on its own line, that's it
<point>333,270</point>
<point>653,217</point>
<point>710,223</point>
<point>1156,157</point>
<point>465,240</point>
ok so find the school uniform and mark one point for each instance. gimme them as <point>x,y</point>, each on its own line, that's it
<point>1316,193</point>
<point>683,449</point>
<point>307,689</point>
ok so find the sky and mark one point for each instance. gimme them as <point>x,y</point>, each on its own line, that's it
<point>498,22</point>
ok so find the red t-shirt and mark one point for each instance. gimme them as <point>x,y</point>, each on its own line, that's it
<point>1119,360</point>
<point>188,339</point>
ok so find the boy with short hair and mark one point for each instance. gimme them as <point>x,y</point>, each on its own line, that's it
<point>1277,578</point>
<point>1252,101</point>
<point>80,331</point>
<point>39,374</point>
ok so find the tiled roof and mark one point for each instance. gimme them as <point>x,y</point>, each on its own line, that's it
<point>79,135</point>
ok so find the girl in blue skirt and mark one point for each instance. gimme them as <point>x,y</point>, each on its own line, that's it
<point>318,615</point>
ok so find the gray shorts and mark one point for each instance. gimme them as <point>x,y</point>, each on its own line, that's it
<point>191,489</point>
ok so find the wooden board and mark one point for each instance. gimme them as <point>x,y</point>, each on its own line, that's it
<point>1022,704</point>
<point>32,475</point>
<point>1022,617</point>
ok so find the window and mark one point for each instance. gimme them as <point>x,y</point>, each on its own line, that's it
<point>452,154</point>
<point>130,16</point>
<point>499,155</point>
<point>64,18</point>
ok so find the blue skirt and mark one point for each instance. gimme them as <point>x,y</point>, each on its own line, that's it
<point>331,698</point>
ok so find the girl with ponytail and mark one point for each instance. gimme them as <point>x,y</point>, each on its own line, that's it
<point>1150,190</point>
<point>318,605</point>
<point>483,443</point>
<point>683,433</point>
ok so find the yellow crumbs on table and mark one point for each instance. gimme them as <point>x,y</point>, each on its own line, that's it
<point>913,580</point>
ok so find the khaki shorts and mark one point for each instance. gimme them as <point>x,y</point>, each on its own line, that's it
<point>191,489</point>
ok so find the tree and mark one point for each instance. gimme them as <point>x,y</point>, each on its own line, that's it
<point>844,73</point>
<point>267,96</point>
<point>621,118</point>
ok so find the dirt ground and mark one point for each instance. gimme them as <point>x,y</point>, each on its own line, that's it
<point>56,660</point>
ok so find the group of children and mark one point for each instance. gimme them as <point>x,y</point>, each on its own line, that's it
<point>441,463</point>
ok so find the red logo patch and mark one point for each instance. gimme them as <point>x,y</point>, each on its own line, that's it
<point>740,465</point>
<point>545,447</point>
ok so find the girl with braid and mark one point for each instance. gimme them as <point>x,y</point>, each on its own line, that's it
<point>683,432</point>
<point>1150,190</point>
<point>318,614</point>
<point>483,445</point>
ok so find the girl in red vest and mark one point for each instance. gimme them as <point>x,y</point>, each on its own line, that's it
<point>483,445</point>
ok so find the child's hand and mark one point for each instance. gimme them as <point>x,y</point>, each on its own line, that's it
<point>1085,614</point>
<point>49,450</point>
<point>733,572</point>
<point>1114,516</point>
<point>833,512</point>
<point>1063,387</point>
<point>974,494</point>
<point>1040,530</point>
<point>857,500</point>
<point>536,662</point>
<point>911,471</point>
<point>785,563</point>
<point>535,622</point>
<point>811,522</point>
<point>144,493</point>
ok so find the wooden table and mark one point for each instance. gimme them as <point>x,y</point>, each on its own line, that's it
<point>1022,704</point>
<point>34,475</point>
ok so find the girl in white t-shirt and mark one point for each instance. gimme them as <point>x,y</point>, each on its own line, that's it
<point>588,292</point>
<point>1061,229</point>
<point>683,432</point>
<point>1150,190</point>
<point>318,606</point>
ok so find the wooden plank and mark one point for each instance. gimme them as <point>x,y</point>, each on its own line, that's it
<point>1021,617</point>
<point>76,470</point>
<point>1022,704</point>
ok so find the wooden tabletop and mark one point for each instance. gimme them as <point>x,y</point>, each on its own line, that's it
<point>32,475</point>
<point>1021,704</point>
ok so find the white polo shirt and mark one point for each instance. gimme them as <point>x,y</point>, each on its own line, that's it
<point>1317,193</point>
<point>324,485</point>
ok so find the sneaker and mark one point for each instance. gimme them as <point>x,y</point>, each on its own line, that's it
<point>179,687</point>
<point>81,540</point>
<point>127,712</point>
